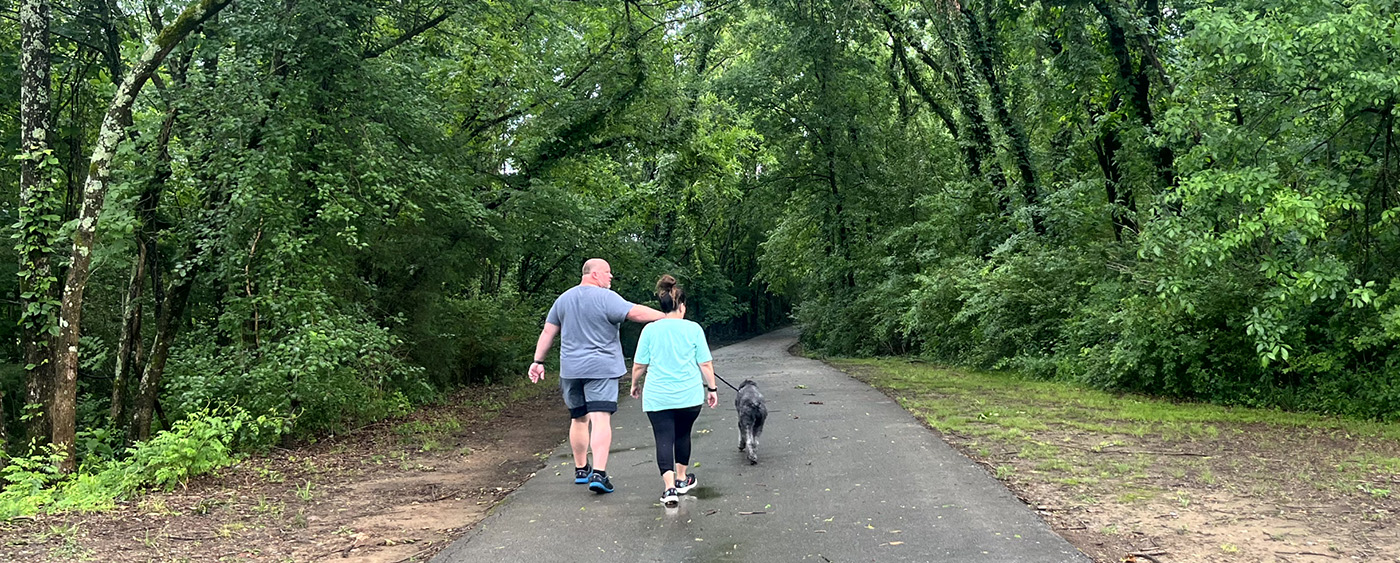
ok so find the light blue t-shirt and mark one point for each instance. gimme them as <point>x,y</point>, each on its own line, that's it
<point>672,350</point>
<point>588,318</point>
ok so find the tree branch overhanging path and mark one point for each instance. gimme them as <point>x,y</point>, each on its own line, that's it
<point>408,35</point>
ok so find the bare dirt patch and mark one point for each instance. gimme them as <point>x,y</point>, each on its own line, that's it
<point>392,492</point>
<point>1212,492</point>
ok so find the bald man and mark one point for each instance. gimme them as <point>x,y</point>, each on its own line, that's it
<point>589,316</point>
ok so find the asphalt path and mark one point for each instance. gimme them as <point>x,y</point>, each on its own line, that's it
<point>844,474</point>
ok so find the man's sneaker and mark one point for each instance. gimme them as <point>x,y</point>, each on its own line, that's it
<point>670,498</point>
<point>581,474</point>
<point>687,485</point>
<point>599,484</point>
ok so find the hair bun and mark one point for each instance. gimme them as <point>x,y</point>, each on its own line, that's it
<point>665,283</point>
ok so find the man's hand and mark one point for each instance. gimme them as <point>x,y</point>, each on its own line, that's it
<point>636,391</point>
<point>712,398</point>
<point>541,349</point>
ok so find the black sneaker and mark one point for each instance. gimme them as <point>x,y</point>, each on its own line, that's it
<point>599,484</point>
<point>581,474</point>
<point>687,485</point>
<point>670,498</point>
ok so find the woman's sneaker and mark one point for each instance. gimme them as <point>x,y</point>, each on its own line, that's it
<point>670,498</point>
<point>684,487</point>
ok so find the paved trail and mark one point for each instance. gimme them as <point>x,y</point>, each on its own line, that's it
<point>845,474</point>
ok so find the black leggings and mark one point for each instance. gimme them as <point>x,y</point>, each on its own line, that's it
<point>672,431</point>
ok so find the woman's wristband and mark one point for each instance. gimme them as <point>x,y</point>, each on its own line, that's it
<point>712,389</point>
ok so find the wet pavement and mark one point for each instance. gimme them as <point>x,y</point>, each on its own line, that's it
<point>844,474</point>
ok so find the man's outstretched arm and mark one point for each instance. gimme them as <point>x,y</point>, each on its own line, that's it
<point>644,314</point>
<point>542,346</point>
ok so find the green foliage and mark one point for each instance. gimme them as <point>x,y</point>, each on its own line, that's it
<point>1217,183</point>
<point>366,222</point>
<point>328,373</point>
<point>367,216</point>
<point>472,340</point>
<point>198,444</point>
<point>27,482</point>
<point>195,445</point>
<point>37,233</point>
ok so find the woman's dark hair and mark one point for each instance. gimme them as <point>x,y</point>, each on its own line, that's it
<point>669,294</point>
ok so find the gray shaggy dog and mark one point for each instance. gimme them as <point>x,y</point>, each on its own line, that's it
<point>752,412</point>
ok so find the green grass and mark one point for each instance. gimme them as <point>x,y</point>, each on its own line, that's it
<point>1129,449</point>
<point>1055,466</point>
<point>441,426</point>
<point>1038,451</point>
<point>1008,399</point>
<point>1137,495</point>
<point>1368,462</point>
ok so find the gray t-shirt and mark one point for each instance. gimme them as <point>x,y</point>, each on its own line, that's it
<point>588,318</point>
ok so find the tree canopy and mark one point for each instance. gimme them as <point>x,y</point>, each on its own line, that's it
<point>332,210</point>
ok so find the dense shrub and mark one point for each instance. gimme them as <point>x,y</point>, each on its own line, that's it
<point>332,371</point>
<point>201,442</point>
<point>473,339</point>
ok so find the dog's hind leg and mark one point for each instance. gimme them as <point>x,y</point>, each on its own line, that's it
<point>751,441</point>
<point>755,430</point>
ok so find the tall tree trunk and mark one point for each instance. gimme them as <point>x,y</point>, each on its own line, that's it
<point>37,285</point>
<point>1136,85</point>
<point>130,335</point>
<point>925,91</point>
<point>835,220</point>
<point>988,51</point>
<point>94,192</point>
<point>167,325</point>
<point>1118,193</point>
<point>979,127</point>
<point>900,35</point>
<point>976,143</point>
<point>130,341</point>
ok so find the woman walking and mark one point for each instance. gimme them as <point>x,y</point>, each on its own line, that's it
<point>675,361</point>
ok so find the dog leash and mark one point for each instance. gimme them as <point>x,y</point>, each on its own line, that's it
<point>731,385</point>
